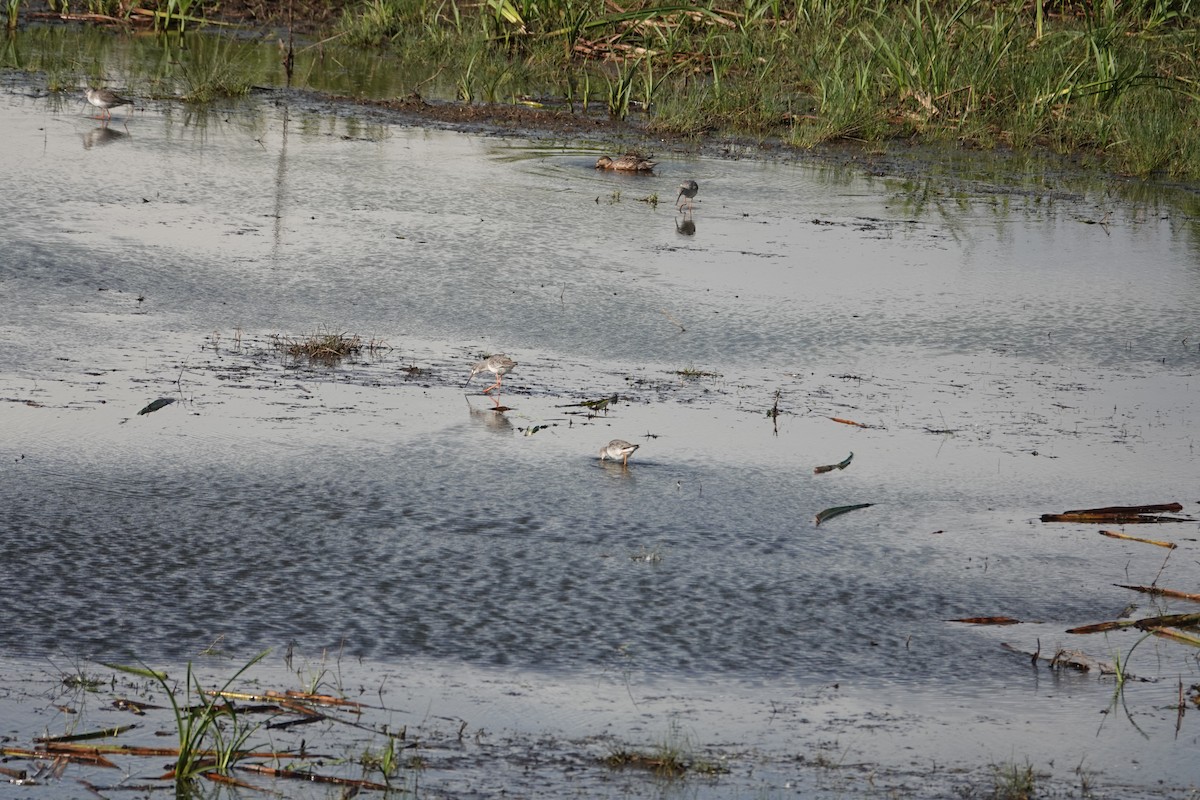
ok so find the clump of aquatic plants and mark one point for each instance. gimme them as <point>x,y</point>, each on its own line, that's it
<point>321,346</point>
<point>212,71</point>
<point>693,373</point>
<point>211,736</point>
<point>672,757</point>
<point>1014,782</point>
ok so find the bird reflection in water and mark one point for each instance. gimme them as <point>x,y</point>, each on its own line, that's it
<point>685,226</point>
<point>100,136</point>
<point>491,418</point>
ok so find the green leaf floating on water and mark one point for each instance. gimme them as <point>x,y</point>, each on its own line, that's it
<point>161,402</point>
<point>837,511</point>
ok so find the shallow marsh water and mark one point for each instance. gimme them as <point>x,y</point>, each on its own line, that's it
<point>1011,356</point>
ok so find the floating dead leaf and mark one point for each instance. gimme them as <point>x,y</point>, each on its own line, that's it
<point>987,620</point>
<point>1153,508</point>
<point>277,772</point>
<point>1127,537</point>
<point>1101,627</point>
<point>155,405</point>
<point>322,699</point>
<point>837,511</point>
<point>1145,624</point>
<point>89,755</point>
<point>849,422</point>
<point>1177,636</point>
<point>1121,514</point>
<point>595,405</point>
<point>831,467</point>
<point>104,733</point>
<point>1195,598</point>
<point>229,780</point>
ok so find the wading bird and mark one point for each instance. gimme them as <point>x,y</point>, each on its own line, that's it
<point>626,163</point>
<point>618,449</point>
<point>105,100</point>
<point>499,365</point>
<point>687,189</point>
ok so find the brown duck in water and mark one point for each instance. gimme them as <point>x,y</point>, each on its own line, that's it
<point>626,163</point>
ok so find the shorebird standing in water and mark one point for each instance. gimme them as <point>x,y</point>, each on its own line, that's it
<point>687,189</point>
<point>499,365</point>
<point>105,100</point>
<point>618,449</point>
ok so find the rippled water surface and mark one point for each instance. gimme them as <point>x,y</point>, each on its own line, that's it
<point>1010,354</point>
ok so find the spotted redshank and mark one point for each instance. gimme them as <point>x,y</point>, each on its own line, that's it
<point>626,163</point>
<point>499,365</point>
<point>687,189</point>
<point>618,449</point>
<point>105,100</point>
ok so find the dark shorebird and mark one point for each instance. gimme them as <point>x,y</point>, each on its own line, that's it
<point>618,449</point>
<point>626,163</point>
<point>499,365</point>
<point>687,189</point>
<point>105,100</point>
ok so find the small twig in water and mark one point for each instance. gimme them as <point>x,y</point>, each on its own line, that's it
<point>672,319</point>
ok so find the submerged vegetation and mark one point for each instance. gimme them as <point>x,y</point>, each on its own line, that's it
<point>1116,83</point>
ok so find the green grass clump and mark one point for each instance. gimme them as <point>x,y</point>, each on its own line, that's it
<point>673,757</point>
<point>1118,80</point>
<point>211,736</point>
<point>1014,782</point>
<point>210,69</point>
<point>1115,83</point>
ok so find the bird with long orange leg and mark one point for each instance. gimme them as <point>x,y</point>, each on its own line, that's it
<point>618,449</point>
<point>498,364</point>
